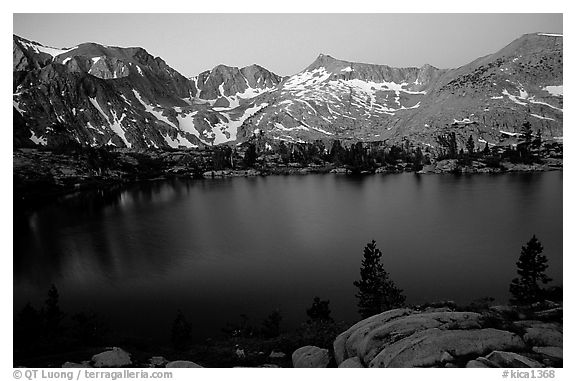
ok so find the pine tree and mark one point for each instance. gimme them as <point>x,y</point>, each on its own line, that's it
<point>418,159</point>
<point>470,145</point>
<point>181,332</point>
<point>376,291</point>
<point>52,312</point>
<point>337,153</point>
<point>537,142</point>
<point>527,133</point>
<point>250,156</point>
<point>531,266</point>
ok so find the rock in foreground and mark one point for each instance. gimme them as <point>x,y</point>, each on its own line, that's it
<point>182,364</point>
<point>310,357</point>
<point>114,358</point>
<point>403,338</point>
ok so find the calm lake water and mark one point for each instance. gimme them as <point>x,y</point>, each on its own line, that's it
<point>217,249</point>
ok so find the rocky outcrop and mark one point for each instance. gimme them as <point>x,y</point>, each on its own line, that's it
<point>362,328</point>
<point>158,362</point>
<point>277,355</point>
<point>182,364</point>
<point>114,358</point>
<point>448,338</point>
<point>352,362</point>
<point>542,334</point>
<point>551,352</point>
<point>83,364</point>
<point>512,360</point>
<point>226,81</point>
<point>310,357</point>
<point>429,347</point>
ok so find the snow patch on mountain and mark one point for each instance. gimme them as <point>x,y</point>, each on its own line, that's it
<point>46,49</point>
<point>288,138</point>
<point>97,106</point>
<point>544,104</point>
<point>228,131</point>
<point>526,97</point>
<point>551,34</point>
<point>541,117</point>
<point>308,104</point>
<point>556,91</point>
<point>186,124</point>
<point>510,133</point>
<point>371,87</point>
<point>116,126</point>
<point>306,79</point>
<point>514,98</point>
<point>157,114</point>
<point>38,139</point>
<point>234,100</point>
<point>463,121</point>
<point>17,106</point>
<point>88,125</point>
<point>282,128</point>
<point>178,142</point>
<point>321,130</point>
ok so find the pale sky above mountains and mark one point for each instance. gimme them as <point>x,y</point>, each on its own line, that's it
<point>287,43</point>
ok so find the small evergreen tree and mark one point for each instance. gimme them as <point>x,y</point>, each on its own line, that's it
<point>337,152</point>
<point>418,159</point>
<point>470,145</point>
<point>449,145</point>
<point>527,133</point>
<point>320,311</point>
<point>53,315</point>
<point>531,266</point>
<point>376,291</point>
<point>250,156</point>
<point>537,142</point>
<point>181,332</point>
<point>284,152</point>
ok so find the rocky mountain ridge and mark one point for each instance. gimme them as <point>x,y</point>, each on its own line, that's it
<point>98,95</point>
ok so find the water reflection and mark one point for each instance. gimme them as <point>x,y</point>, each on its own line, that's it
<point>250,245</point>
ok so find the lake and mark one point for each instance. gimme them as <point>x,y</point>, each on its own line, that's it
<point>220,248</point>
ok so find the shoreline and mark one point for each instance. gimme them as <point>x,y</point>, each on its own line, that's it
<point>44,176</point>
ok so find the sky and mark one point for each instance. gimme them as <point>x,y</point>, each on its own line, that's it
<point>287,43</point>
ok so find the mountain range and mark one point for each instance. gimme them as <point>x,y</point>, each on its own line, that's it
<point>98,95</point>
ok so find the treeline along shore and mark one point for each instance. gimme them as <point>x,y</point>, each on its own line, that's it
<point>41,173</point>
